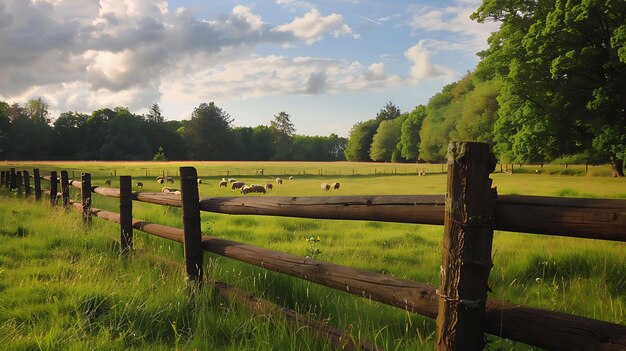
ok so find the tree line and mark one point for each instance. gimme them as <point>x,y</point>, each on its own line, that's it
<point>549,88</point>
<point>28,133</point>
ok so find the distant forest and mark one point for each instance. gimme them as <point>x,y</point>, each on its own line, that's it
<point>27,133</point>
<point>549,88</point>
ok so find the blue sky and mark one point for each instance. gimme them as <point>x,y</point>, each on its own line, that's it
<point>328,64</point>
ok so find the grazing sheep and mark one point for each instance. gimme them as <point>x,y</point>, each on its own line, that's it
<point>140,185</point>
<point>160,180</point>
<point>107,182</point>
<point>176,192</point>
<point>290,177</point>
<point>237,185</point>
<point>335,186</point>
<point>254,188</point>
<point>325,186</point>
<point>223,184</point>
<point>159,177</point>
<point>422,173</point>
<point>279,181</point>
<point>232,180</point>
<point>166,190</point>
<point>199,181</point>
<point>170,179</point>
<point>269,186</point>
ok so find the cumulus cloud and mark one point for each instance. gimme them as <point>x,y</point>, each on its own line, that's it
<point>471,36</point>
<point>312,26</point>
<point>421,67</point>
<point>130,45</point>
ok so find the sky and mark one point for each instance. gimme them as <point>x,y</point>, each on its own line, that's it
<point>328,64</point>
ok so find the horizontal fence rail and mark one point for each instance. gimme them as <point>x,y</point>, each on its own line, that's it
<point>546,329</point>
<point>582,218</point>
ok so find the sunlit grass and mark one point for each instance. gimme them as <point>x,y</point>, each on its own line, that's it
<point>66,287</point>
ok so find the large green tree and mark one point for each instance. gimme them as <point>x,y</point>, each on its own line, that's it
<point>563,68</point>
<point>409,136</point>
<point>283,132</point>
<point>385,140</point>
<point>208,134</point>
<point>360,141</point>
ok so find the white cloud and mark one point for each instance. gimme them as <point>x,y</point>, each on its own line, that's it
<point>469,36</point>
<point>312,26</point>
<point>421,67</point>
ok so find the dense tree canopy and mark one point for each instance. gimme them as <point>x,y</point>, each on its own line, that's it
<point>563,68</point>
<point>118,134</point>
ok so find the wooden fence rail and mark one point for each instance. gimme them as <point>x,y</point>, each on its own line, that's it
<point>462,308</point>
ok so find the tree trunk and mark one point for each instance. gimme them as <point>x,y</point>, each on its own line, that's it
<point>617,168</point>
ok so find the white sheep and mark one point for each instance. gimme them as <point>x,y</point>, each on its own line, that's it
<point>290,177</point>
<point>140,185</point>
<point>167,190</point>
<point>223,184</point>
<point>269,186</point>
<point>107,182</point>
<point>325,186</point>
<point>254,188</point>
<point>237,185</point>
<point>160,180</point>
<point>279,181</point>
<point>170,179</point>
<point>199,181</point>
<point>335,186</point>
<point>232,180</point>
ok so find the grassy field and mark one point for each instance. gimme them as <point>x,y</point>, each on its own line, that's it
<point>65,287</point>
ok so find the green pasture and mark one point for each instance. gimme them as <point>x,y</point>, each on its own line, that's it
<point>65,287</point>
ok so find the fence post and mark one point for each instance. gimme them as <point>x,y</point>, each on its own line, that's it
<point>19,182</point>
<point>1,178</point>
<point>466,256</point>
<point>53,188</point>
<point>37,180</point>
<point>7,179</point>
<point>192,238</point>
<point>126,214</point>
<point>26,184</point>
<point>86,197</point>
<point>65,189</point>
<point>12,179</point>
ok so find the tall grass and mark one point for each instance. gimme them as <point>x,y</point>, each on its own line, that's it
<point>63,286</point>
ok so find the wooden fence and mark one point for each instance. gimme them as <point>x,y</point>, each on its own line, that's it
<point>470,212</point>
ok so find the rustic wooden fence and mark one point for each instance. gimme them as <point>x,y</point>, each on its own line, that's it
<point>470,211</point>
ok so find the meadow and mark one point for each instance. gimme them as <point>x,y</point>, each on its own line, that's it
<point>63,286</point>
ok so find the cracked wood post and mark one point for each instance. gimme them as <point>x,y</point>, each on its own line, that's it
<point>126,214</point>
<point>37,180</point>
<point>65,189</point>
<point>191,223</point>
<point>26,184</point>
<point>467,241</point>
<point>86,197</point>
<point>53,188</point>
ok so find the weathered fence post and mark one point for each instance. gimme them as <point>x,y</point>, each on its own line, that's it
<point>86,197</point>
<point>19,182</point>
<point>466,257</point>
<point>12,179</point>
<point>192,238</point>
<point>53,188</point>
<point>65,189</point>
<point>7,179</point>
<point>37,180</point>
<point>26,184</point>
<point>1,178</point>
<point>126,214</point>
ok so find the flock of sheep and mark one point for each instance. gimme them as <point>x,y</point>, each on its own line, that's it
<point>234,185</point>
<point>259,188</point>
